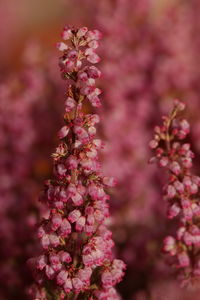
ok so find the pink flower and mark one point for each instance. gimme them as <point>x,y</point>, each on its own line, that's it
<point>77,199</point>
<point>171,192</point>
<point>65,257</point>
<point>54,239</point>
<point>153,144</point>
<point>56,221</point>
<point>72,162</point>
<point>93,72</point>
<point>62,46</point>
<point>70,104</point>
<point>67,285</point>
<point>179,186</point>
<point>80,223</point>
<point>173,211</point>
<point>62,277</point>
<point>50,272</point>
<point>84,275</point>
<point>175,167</point>
<point>63,132</point>
<point>74,215</point>
<point>67,33</point>
<point>184,260</point>
<point>45,241</point>
<point>94,35</point>
<point>61,169</point>
<point>81,134</point>
<point>82,32</point>
<point>41,262</point>
<point>107,279</point>
<point>170,245</point>
<point>77,284</point>
<point>65,228</point>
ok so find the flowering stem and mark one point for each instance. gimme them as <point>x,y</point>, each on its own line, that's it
<point>77,259</point>
<point>182,192</point>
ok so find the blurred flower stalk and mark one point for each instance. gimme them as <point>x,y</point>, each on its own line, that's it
<point>182,191</point>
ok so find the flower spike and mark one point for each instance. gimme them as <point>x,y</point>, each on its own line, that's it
<point>77,260</point>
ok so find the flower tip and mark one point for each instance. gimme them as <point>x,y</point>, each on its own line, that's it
<point>179,104</point>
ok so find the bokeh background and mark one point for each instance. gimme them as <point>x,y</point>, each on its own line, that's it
<point>150,55</point>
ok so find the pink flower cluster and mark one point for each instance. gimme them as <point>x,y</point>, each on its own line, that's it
<point>182,191</point>
<point>77,258</point>
<point>71,61</point>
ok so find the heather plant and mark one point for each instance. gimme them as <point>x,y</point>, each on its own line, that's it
<point>77,260</point>
<point>173,153</point>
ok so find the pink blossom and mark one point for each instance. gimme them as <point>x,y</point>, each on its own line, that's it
<point>170,245</point>
<point>50,272</point>
<point>80,223</point>
<point>65,256</point>
<point>77,284</point>
<point>82,32</point>
<point>65,228</point>
<point>45,241</point>
<point>67,285</point>
<point>56,221</point>
<point>41,262</point>
<point>70,103</point>
<point>67,33</point>
<point>62,46</point>
<point>72,162</point>
<point>63,132</point>
<point>62,277</point>
<point>184,260</point>
<point>94,35</point>
<point>171,192</point>
<point>173,211</point>
<point>74,215</point>
<point>107,279</point>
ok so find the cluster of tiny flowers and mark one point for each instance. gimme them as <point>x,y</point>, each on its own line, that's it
<point>77,261</point>
<point>182,191</point>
